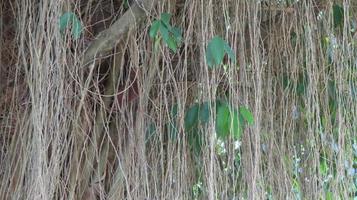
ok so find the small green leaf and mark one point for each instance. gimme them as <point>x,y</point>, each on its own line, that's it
<point>177,33</point>
<point>204,113</point>
<point>171,43</point>
<point>215,51</point>
<point>191,117</point>
<point>329,195</point>
<point>165,18</point>
<point>126,4</point>
<point>164,33</point>
<point>154,28</point>
<point>337,11</point>
<point>323,167</point>
<point>70,19</point>
<point>247,115</point>
<point>195,140</point>
<point>223,121</point>
<point>237,126</point>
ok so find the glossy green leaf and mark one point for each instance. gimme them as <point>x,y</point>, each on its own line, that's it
<point>247,115</point>
<point>67,20</point>
<point>164,33</point>
<point>165,18</point>
<point>223,121</point>
<point>171,43</point>
<point>154,28</point>
<point>337,11</point>
<point>215,52</point>
<point>191,117</point>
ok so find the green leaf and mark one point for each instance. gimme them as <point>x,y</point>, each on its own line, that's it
<point>164,32</point>
<point>323,167</point>
<point>177,33</point>
<point>247,115</point>
<point>223,121</point>
<point>302,84</point>
<point>154,28</point>
<point>126,4</point>
<point>70,19</point>
<point>191,117</point>
<point>215,51</point>
<point>171,43</point>
<point>229,52</point>
<point>337,11</point>
<point>237,126</point>
<point>329,195</point>
<point>204,113</point>
<point>165,18</point>
<point>195,139</point>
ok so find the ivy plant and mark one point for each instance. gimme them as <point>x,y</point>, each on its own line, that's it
<point>171,35</point>
<point>230,121</point>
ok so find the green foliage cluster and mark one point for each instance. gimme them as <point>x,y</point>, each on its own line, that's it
<point>229,122</point>
<point>170,34</point>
